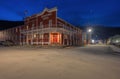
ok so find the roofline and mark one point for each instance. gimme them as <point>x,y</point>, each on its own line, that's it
<point>46,9</point>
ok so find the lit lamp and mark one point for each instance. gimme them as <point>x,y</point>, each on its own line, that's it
<point>89,30</point>
<point>93,41</point>
<point>116,41</point>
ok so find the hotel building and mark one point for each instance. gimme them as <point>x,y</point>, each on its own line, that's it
<point>45,28</point>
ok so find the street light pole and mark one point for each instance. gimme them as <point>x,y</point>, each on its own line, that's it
<point>89,35</point>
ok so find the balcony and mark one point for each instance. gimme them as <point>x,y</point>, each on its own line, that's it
<point>48,29</point>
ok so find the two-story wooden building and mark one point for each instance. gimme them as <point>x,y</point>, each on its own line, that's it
<point>46,28</point>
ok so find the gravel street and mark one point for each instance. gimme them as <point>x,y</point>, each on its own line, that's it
<point>90,62</point>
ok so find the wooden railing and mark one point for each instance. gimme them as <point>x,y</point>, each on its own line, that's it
<point>48,28</point>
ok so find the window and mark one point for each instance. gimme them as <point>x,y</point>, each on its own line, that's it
<point>46,36</point>
<point>41,25</point>
<point>27,27</point>
<point>50,23</point>
<point>34,35</point>
<point>33,26</point>
<point>41,36</point>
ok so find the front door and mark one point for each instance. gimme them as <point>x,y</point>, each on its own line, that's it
<point>54,38</point>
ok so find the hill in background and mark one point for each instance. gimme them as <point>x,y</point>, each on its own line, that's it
<point>9,24</point>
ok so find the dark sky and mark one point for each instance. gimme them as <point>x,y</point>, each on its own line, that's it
<point>77,12</point>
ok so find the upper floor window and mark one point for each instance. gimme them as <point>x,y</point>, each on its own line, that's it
<point>32,25</point>
<point>50,23</point>
<point>41,24</point>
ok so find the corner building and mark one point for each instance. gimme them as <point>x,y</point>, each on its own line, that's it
<point>45,28</point>
<point>48,29</point>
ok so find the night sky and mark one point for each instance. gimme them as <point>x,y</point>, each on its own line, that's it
<point>77,12</point>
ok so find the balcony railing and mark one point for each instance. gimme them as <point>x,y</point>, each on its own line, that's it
<point>48,28</point>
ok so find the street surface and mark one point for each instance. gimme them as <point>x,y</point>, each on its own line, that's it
<point>90,62</point>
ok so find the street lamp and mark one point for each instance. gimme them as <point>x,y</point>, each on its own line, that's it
<point>89,35</point>
<point>116,41</point>
<point>89,30</point>
<point>93,41</point>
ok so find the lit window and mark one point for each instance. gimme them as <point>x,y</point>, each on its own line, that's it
<point>34,35</point>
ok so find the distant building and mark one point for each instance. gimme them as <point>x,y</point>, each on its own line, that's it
<point>12,34</point>
<point>45,28</point>
<point>114,39</point>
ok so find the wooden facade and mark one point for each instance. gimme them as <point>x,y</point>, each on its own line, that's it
<point>45,28</point>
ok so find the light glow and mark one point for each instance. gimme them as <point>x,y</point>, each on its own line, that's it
<point>93,41</point>
<point>117,41</point>
<point>89,30</point>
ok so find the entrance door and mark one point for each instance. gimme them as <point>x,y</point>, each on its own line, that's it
<point>54,38</point>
